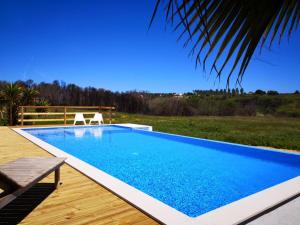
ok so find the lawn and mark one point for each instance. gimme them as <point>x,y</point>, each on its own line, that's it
<point>258,131</point>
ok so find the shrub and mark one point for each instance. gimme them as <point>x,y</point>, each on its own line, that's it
<point>268,104</point>
<point>272,92</point>
<point>227,108</point>
<point>170,106</point>
<point>259,92</point>
<point>41,102</point>
<point>3,122</point>
<point>291,110</point>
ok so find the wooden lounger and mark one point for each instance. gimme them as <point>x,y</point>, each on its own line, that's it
<point>18,176</point>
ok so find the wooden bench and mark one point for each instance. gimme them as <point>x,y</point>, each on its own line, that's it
<point>18,176</point>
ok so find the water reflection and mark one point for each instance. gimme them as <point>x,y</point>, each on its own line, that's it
<point>79,132</point>
<point>97,132</point>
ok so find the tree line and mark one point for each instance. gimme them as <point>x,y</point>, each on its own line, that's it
<point>219,102</point>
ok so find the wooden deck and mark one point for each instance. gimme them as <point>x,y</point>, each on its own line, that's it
<point>78,200</point>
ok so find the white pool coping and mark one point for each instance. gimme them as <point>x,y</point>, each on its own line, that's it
<point>233,213</point>
<point>136,126</point>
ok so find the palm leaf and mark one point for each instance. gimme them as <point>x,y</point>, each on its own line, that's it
<point>233,29</point>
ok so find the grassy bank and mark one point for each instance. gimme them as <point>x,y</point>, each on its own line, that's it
<point>257,131</point>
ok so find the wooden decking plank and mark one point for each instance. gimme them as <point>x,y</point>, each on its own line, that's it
<point>79,200</point>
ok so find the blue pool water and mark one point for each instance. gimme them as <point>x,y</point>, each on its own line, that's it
<point>191,175</point>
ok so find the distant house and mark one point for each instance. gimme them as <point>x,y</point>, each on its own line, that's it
<point>178,95</point>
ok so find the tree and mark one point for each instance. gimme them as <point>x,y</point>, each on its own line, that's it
<point>29,83</point>
<point>15,94</point>
<point>228,91</point>
<point>237,91</point>
<point>259,92</point>
<point>242,91</point>
<point>272,92</point>
<point>232,28</point>
<point>12,95</point>
<point>233,92</point>
<point>2,104</point>
<point>29,94</point>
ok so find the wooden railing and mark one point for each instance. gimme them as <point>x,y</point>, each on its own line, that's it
<point>62,112</point>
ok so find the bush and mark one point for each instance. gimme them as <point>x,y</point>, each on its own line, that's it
<point>4,122</point>
<point>170,106</point>
<point>227,108</point>
<point>41,102</point>
<point>259,92</point>
<point>272,92</point>
<point>247,110</point>
<point>268,104</point>
<point>291,110</point>
<point>246,106</point>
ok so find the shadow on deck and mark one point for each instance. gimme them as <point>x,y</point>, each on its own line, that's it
<point>17,210</point>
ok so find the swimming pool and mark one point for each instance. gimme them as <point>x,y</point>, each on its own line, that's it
<point>188,178</point>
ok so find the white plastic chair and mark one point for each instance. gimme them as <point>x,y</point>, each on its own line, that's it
<point>79,118</point>
<point>98,118</point>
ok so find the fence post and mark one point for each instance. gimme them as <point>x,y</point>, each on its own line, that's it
<point>22,115</point>
<point>65,115</point>
<point>109,115</point>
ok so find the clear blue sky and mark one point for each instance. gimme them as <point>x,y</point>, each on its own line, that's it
<point>106,44</point>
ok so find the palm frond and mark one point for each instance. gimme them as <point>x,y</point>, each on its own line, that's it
<point>229,31</point>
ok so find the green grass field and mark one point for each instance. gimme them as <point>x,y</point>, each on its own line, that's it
<point>258,131</point>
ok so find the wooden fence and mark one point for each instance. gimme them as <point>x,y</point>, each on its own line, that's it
<point>61,113</point>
